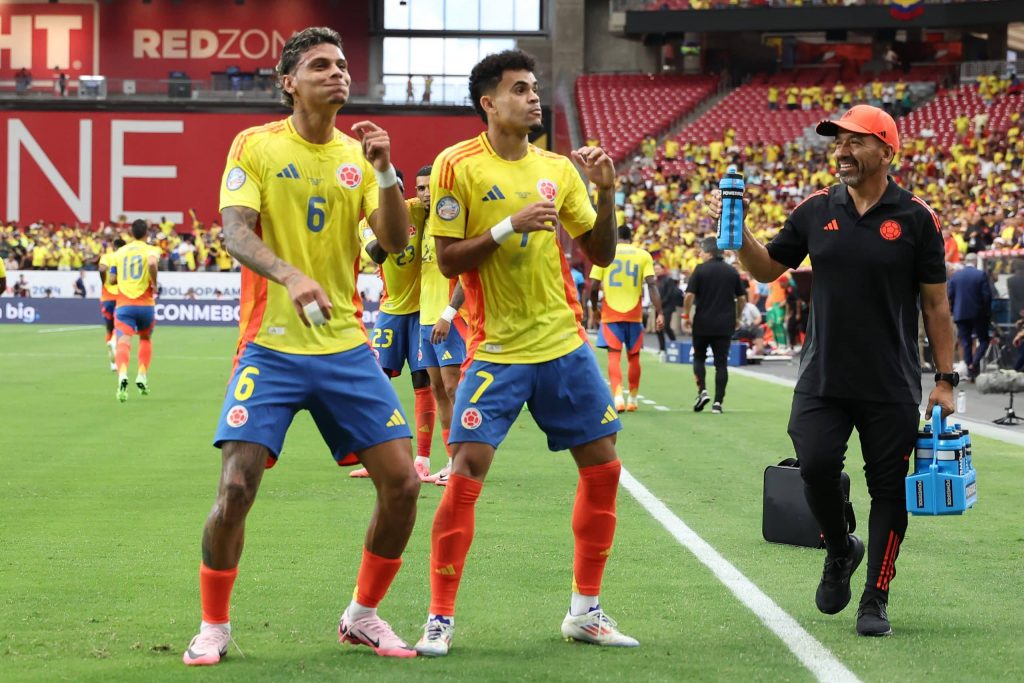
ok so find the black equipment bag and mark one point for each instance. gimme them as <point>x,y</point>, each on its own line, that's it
<point>786,517</point>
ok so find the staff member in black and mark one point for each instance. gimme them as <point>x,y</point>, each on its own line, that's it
<point>720,296</point>
<point>876,251</point>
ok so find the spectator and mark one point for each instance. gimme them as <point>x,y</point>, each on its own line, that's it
<point>80,284</point>
<point>428,83</point>
<point>1015,287</point>
<point>970,298</point>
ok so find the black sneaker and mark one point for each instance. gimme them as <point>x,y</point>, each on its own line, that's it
<point>872,619</point>
<point>833,593</point>
<point>716,408</point>
<point>702,400</point>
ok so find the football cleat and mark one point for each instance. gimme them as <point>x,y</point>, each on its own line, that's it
<point>361,473</point>
<point>597,628</point>
<point>702,400</point>
<point>716,408</point>
<point>443,474</point>
<point>631,405</point>
<point>142,382</point>
<point>662,356</point>
<point>122,389</point>
<point>209,646</point>
<point>437,637</point>
<point>375,633</point>
<point>424,472</point>
<point>620,404</point>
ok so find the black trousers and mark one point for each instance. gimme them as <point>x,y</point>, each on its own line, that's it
<point>720,349</point>
<point>820,428</point>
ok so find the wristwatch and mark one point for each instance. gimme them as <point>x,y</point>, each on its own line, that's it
<point>952,377</point>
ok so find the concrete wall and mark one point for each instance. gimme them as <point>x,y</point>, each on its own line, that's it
<point>606,52</point>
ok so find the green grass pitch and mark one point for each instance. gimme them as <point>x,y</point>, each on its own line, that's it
<point>103,506</point>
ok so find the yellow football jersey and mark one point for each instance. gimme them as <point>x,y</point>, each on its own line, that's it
<point>108,292</point>
<point>623,283</point>
<point>310,198</point>
<point>521,301</point>
<point>400,272</point>
<point>134,286</point>
<point>435,289</point>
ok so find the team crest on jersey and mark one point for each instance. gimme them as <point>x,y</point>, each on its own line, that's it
<point>890,230</point>
<point>412,230</point>
<point>448,208</point>
<point>237,416</point>
<point>547,189</point>
<point>367,233</point>
<point>471,418</point>
<point>349,175</point>
<point>236,178</point>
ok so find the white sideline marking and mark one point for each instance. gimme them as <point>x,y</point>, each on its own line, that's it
<point>76,328</point>
<point>648,402</point>
<point>811,653</point>
<point>661,407</point>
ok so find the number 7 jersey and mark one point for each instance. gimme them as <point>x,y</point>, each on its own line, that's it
<point>521,301</point>
<point>623,284</point>
<point>309,198</point>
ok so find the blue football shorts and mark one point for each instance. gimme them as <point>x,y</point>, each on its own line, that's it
<point>621,335</point>
<point>452,351</point>
<point>567,397</point>
<point>107,309</point>
<point>352,402</point>
<point>396,341</point>
<point>134,319</point>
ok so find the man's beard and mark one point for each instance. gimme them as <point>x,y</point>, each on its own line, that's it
<point>537,128</point>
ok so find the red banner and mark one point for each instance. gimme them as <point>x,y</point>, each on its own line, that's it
<point>137,40</point>
<point>91,167</point>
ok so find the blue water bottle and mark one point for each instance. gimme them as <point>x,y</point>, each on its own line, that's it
<point>730,224</point>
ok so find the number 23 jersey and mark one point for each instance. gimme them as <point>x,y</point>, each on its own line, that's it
<point>310,198</point>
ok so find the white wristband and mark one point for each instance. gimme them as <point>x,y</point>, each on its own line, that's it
<point>502,231</point>
<point>313,313</point>
<point>449,314</point>
<point>386,179</point>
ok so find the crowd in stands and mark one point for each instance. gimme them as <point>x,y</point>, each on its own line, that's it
<point>48,246</point>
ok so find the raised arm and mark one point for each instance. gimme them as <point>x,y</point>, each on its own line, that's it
<point>599,243</point>
<point>242,242</point>
<point>390,221</point>
<point>753,255</point>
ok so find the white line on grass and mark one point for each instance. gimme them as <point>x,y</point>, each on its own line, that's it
<point>811,653</point>
<point>76,328</point>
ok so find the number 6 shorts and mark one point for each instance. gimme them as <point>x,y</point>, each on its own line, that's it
<point>350,399</point>
<point>567,397</point>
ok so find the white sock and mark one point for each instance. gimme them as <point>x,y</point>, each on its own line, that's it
<point>423,460</point>
<point>356,611</point>
<point>204,625</point>
<point>581,604</point>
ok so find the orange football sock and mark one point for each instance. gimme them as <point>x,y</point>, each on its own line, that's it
<point>375,576</point>
<point>593,525</point>
<point>444,436</point>
<point>145,355</point>
<point>634,372</point>
<point>215,592</point>
<point>615,371</point>
<point>426,411</point>
<point>450,539</point>
<point>124,352</point>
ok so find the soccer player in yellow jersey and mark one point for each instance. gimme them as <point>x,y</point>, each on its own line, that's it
<point>3,277</point>
<point>133,271</point>
<point>291,197</point>
<point>396,334</point>
<point>496,201</point>
<point>622,313</point>
<point>108,299</point>
<point>442,328</point>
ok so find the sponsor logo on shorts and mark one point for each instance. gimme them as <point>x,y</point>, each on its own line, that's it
<point>236,178</point>
<point>471,418</point>
<point>448,208</point>
<point>237,416</point>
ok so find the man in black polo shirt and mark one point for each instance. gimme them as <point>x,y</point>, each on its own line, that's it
<point>876,252</point>
<point>720,297</point>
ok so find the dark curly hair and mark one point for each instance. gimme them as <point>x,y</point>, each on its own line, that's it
<point>488,72</point>
<point>294,49</point>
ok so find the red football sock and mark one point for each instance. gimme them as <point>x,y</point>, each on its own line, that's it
<point>593,524</point>
<point>634,372</point>
<point>444,435</point>
<point>450,539</point>
<point>375,576</point>
<point>426,411</point>
<point>145,355</point>
<point>123,353</point>
<point>615,371</point>
<point>215,592</point>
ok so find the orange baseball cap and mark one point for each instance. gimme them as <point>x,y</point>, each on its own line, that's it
<point>864,118</point>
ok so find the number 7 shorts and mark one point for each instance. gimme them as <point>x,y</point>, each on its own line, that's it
<point>567,397</point>
<point>350,399</point>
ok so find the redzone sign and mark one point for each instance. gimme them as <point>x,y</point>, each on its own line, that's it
<point>224,43</point>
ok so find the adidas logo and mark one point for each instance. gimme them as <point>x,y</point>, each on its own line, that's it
<point>447,355</point>
<point>446,571</point>
<point>424,428</point>
<point>288,171</point>
<point>494,194</point>
<point>831,226</point>
<point>609,415</point>
<point>396,420</point>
